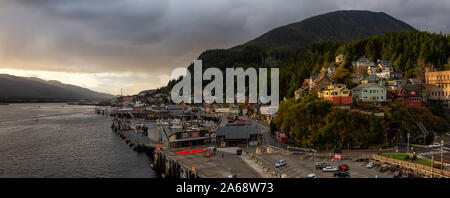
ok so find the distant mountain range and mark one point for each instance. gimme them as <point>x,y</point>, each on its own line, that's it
<point>334,26</point>
<point>30,89</point>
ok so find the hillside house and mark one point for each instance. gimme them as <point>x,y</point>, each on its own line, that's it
<point>338,94</point>
<point>362,65</point>
<point>370,92</point>
<point>341,58</point>
<point>318,83</point>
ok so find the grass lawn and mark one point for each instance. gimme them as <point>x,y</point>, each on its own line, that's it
<point>403,157</point>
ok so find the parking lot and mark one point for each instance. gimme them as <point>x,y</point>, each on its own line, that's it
<point>299,166</point>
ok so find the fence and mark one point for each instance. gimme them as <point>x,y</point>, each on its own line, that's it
<point>413,167</point>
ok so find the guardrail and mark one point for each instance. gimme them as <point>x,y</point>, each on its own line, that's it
<point>414,167</point>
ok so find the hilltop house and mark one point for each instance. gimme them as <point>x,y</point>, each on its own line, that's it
<point>438,85</point>
<point>328,70</point>
<point>372,79</point>
<point>395,85</point>
<point>301,92</point>
<point>338,94</point>
<point>318,83</point>
<point>340,58</point>
<point>361,66</point>
<point>412,95</point>
<point>369,92</point>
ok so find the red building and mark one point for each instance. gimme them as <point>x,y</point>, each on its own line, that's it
<point>411,95</point>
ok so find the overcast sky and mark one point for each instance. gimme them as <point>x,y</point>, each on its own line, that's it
<point>106,45</point>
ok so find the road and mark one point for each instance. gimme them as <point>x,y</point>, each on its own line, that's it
<point>269,139</point>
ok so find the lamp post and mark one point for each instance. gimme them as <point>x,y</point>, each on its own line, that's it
<point>407,147</point>
<point>442,154</point>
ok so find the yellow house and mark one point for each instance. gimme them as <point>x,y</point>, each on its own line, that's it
<point>338,94</point>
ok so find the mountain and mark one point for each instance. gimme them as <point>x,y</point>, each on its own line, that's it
<point>284,41</point>
<point>346,25</point>
<point>26,89</point>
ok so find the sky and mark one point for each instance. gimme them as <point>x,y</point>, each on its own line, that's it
<point>106,45</point>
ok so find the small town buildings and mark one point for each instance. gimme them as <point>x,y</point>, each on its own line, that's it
<point>361,66</point>
<point>438,85</point>
<point>234,135</point>
<point>370,92</point>
<point>227,111</point>
<point>127,99</point>
<point>329,70</point>
<point>268,112</point>
<point>186,138</point>
<point>338,94</point>
<point>372,79</point>
<point>340,58</point>
<point>301,92</point>
<point>394,86</point>
<point>412,95</point>
<point>318,83</point>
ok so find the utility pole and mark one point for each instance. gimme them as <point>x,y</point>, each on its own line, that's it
<point>248,137</point>
<point>407,147</point>
<point>442,154</point>
<point>432,165</point>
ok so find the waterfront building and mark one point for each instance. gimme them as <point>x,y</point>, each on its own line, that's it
<point>234,135</point>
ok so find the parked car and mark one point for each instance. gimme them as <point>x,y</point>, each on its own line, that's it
<point>344,167</point>
<point>280,163</point>
<point>320,165</point>
<point>384,168</point>
<point>341,174</point>
<point>397,174</point>
<point>312,175</point>
<point>329,169</point>
<point>370,165</point>
<point>239,152</point>
<point>435,145</point>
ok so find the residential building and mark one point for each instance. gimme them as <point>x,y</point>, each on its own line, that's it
<point>437,85</point>
<point>371,79</point>
<point>318,83</point>
<point>412,95</point>
<point>301,92</point>
<point>370,92</point>
<point>338,94</point>
<point>341,58</point>
<point>361,66</point>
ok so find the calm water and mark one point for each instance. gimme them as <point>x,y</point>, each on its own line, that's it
<point>67,141</point>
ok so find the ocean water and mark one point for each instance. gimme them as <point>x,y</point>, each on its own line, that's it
<point>60,141</point>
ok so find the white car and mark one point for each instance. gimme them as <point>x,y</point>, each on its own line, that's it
<point>370,165</point>
<point>329,169</point>
<point>280,163</point>
<point>312,175</point>
<point>435,145</point>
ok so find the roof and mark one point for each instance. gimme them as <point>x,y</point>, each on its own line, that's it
<point>372,77</point>
<point>322,77</point>
<point>237,132</point>
<point>362,86</point>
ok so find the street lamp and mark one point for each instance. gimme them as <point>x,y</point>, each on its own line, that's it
<point>442,154</point>
<point>408,145</point>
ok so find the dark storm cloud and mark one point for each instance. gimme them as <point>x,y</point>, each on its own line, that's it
<point>155,36</point>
